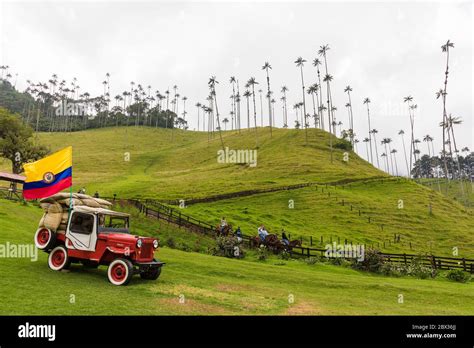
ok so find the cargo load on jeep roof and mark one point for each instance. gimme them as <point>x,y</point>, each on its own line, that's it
<point>56,209</point>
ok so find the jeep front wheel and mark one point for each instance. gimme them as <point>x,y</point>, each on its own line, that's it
<point>58,259</point>
<point>120,272</point>
<point>151,274</point>
<point>44,238</point>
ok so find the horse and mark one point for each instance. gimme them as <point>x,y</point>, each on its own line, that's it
<point>226,231</point>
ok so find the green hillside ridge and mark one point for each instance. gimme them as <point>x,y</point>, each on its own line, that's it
<point>176,164</point>
<point>211,285</point>
<point>187,167</point>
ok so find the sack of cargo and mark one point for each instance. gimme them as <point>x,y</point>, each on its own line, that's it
<point>67,201</point>
<point>45,206</point>
<point>56,197</point>
<point>55,208</point>
<point>90,202</point>
<point>64,217</point>
<point>52,221</point>
<point>103,202</point>
<point>61,231</point>
<point>82,195</point>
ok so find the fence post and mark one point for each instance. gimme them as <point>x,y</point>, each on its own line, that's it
<point>369,219</point>
<point>405,258</point>
<point>359,212</point>
<point>311,240</point>
<point>464,264</point>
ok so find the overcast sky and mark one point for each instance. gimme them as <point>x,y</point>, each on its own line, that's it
<point>384,50</point>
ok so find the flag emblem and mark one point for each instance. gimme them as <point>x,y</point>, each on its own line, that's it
<point>48,177</point>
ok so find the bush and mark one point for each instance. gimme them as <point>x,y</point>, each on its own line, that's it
<point>284,255</point>
<point>171,243</point>
<point>458,275</point>
<point>262,253</point>
<point>417,269</point>
<point>342,144</point>
<point>373,261</point>
<point>228,246</point>
<point>311,260</point>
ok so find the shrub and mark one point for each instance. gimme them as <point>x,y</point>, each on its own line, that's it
<point>311,260</point>
<point>417,269</point>
<point>458,275</point>
<point>342,144</point>
<point>228,246</point>
<point>262,253</point>
<point>284,255</point>
<point>373,261</point>
<point>171,243</point>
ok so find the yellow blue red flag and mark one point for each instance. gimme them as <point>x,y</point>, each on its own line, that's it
<point>48,175</point>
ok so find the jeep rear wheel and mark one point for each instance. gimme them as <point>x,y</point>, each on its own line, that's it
<point>44,238</point>
<point>120,272</point>
<point>151,274</point>
<point>58,259</point>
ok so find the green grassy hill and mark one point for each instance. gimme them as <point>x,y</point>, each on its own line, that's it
<point>210,285</point>
<point>187,167</point>
<point>176,164</point>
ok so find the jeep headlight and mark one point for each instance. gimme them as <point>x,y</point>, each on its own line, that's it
<point>139,243</point>
<point>155,244</point>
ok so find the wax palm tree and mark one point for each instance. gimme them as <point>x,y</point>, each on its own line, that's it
<point>367,102</point>
<point>296,107</point>
<point>323,53</point>
<point>234,108</point>
<point>427,138</point>
<point>252,82</point>
<point>317,63</point>
<point>409,101</point>
<point>198,106</point>
<point>451,122</point>
<point>445,49</point>
<point>247,95</point>
<point>348,90</point>
<point>394,152</point>
<point>268,67</point>
<point>383,155</point>
<point>300,64</point>
<point>212,85</point>
<point>312,90</point>
<point>389,141</point>
<point>401,133</point>
<point>225,121</point>
<point>260,92</point>
<point>367,141</point>
<point>356,141</point>
<point>374,132</point>
<point>284,89</point>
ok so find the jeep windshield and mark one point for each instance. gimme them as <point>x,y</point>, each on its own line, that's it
<point>115,224</point>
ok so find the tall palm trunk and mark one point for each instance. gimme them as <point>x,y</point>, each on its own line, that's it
<point>270,118</point>
<point>405,153</point>
<point>304,106</point>
<point>255,115</point>
<point>370,136</point>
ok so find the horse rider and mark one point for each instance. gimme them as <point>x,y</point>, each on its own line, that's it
<point>284,238</point>
<point>238,234</point>
<point>223,224</point>
<point>262,233</point>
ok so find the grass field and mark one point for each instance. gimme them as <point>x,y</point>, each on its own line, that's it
<point>210,285</point>
<point>453,190</point>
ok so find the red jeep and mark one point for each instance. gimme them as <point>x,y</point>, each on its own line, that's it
<point>97,236</point>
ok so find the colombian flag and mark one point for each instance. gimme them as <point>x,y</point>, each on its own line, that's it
<point>49,175</point>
